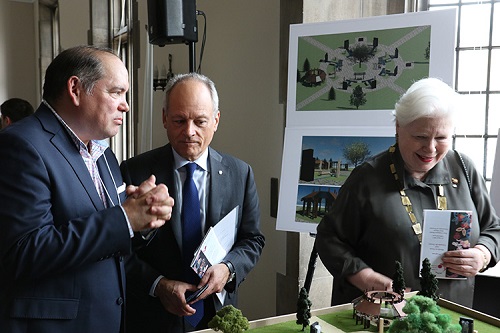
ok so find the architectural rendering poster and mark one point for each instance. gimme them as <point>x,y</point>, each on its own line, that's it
<point>316,162</point>
<point>340,70</point>
<point>344,78</point>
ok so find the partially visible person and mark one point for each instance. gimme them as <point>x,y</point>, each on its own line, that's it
<point>13,110</point>
<point>65,224</point>
<point>369,228</point>
<point>157,281</point>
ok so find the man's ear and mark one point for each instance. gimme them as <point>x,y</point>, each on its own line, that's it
<point>217,119</point>
<point>164,117</point>
<point>7,121</point>
<point>74,88</point>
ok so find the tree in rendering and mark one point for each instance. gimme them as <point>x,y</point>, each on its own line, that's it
<point>331,94</point>
<point>307,66</point>
<point>356,152</point>
<point>362,53</point>
<point>358,97</point>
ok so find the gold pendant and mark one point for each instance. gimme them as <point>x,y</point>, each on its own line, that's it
<point>441,191</point>
<point>442,203</point>
<point>413,218</point>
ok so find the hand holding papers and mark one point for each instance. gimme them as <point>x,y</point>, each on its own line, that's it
<point>444,230</point>
<point>217,243</point>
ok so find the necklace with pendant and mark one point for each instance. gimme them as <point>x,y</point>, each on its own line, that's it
<point>405,200</point>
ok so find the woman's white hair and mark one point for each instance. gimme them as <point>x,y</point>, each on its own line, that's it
<point>427,98</point>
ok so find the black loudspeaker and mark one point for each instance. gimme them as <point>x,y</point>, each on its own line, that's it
<point>172,22</point>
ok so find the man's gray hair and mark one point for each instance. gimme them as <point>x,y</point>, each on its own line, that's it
<point>192,76</point>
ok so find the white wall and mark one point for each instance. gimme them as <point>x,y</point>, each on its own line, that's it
<point>74,19</point>
<point>17,52</point>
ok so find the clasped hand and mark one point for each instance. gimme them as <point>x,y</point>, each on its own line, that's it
<point>148,205</point>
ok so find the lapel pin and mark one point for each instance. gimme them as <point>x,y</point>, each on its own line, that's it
<point>220,172</point>
<point>454,182</point>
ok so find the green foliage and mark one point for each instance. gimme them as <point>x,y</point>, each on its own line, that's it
<point>307,66</point>
<point>303,308</point>
<point>331,94</point>
<point>358,97</point>
<point>356,152</point>
<point>398,281</point>
<point>427,53</point>
<point>423,315</point>
<point>428,281</point>
<point>229,320</point>
<point>362,53</point>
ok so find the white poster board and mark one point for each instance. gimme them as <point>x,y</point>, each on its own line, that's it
<point>344,78</point>
<point>405,48</point>
<point>298,208</point>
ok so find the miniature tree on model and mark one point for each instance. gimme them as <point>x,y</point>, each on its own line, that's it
<point>303,308</point>
<point>422,315</point>
<point>229,320</point>
<point>398,281</point>
<point>428,281</point>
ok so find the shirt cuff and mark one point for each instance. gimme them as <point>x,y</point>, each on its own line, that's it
<point>130,230</point>
<point>153,287</point>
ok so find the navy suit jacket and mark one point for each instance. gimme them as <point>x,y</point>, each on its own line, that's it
<point>61,251</point>
<point>231,184</point>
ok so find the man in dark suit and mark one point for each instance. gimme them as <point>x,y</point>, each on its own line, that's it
<point>65,224</point>
<point>156,282</point>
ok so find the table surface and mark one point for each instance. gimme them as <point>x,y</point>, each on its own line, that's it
<point>442,303</point>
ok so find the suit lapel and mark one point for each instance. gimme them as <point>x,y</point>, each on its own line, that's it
<point>63,143</point>
<point>219,181</point>
<point>163,169</point>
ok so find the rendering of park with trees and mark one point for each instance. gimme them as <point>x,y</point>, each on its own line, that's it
<point>361,70</point>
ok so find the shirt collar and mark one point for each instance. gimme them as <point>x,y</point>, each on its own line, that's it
<point>180,161</point>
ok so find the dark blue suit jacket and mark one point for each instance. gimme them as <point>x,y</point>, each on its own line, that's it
<point>231,184</point>
<point>61,266</point>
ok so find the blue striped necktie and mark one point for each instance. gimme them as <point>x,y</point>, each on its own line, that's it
<point>191,235</point>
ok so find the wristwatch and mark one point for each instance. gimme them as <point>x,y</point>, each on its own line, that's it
<point>232,272</point>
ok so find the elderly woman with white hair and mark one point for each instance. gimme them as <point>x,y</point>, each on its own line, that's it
<point>371,225</point>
